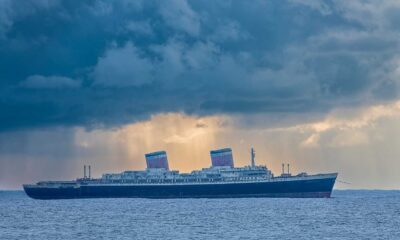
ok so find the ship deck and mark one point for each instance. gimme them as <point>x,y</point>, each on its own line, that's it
<point>199,181</point>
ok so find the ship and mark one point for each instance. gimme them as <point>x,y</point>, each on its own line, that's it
<point>221,180</point>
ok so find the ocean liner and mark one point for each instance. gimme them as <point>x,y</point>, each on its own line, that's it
<point>221,180</point>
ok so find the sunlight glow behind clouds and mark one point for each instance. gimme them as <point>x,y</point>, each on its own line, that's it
<point>363,143</point>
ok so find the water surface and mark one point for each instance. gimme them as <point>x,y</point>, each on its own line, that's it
<point>347,215</point>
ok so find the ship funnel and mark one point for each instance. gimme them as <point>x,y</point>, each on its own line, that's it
<point>84,171</point>
<point>157,160</point>
<point>288,172</point>
<point>283,168</point>
<point>253,155</point>
<point>222,158</point>
<point>89,172</point>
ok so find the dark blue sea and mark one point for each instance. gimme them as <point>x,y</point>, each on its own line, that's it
<point>347,215</point>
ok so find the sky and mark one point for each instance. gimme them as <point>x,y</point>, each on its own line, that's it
<point>96,82</point>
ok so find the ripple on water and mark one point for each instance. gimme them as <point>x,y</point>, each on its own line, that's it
<point>347,215</point>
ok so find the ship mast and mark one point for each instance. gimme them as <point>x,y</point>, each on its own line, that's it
<point>253,155</point>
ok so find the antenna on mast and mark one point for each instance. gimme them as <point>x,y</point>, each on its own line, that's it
<point>253,155</point>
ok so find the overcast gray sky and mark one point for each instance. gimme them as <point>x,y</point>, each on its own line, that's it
<point>313,83</point>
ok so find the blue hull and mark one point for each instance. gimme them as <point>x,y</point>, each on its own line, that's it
<point>314,188</point>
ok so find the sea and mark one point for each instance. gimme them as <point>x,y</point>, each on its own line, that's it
<point>349,214</point>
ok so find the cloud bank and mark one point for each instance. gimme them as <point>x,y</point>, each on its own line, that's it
<point>121,62</point>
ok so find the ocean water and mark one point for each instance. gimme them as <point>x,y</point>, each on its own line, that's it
<point>347,215</point>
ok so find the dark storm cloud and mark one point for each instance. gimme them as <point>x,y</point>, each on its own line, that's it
<point>101,63</point>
